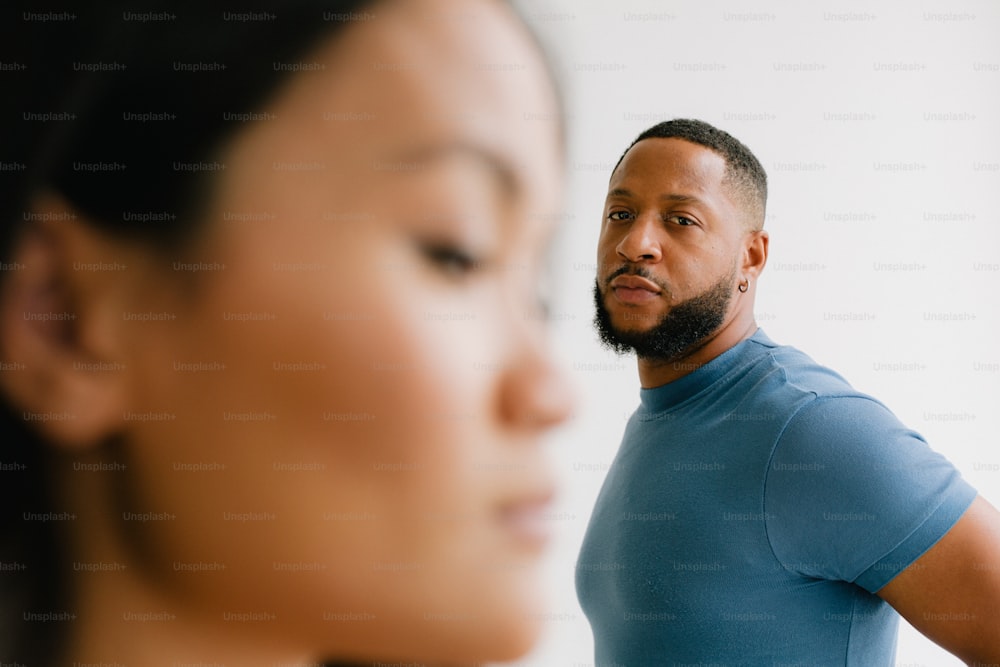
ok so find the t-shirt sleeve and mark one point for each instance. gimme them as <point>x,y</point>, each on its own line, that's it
<point>853,495</point>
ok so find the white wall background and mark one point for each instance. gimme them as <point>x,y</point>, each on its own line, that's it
<point>879,126</point>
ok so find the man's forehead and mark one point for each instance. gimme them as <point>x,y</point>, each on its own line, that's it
<point>672,159</point>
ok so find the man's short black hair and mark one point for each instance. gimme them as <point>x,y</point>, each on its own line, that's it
<point>743,170</point>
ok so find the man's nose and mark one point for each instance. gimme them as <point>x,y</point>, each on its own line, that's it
<point>641,242</point>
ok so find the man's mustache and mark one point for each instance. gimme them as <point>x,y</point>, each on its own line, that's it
<point>635,270</point>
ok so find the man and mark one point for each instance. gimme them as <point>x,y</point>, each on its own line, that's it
<point>759,511</point>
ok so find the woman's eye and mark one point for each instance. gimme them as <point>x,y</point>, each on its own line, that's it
<point>451,259</point>
<point>619,215</point>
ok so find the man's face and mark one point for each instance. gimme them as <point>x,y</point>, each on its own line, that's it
<point>668,251</point>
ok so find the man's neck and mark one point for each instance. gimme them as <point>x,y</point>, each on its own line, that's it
<point>658,372</point>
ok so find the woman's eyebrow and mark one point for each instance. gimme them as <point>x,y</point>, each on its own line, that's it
<point>502,170</point>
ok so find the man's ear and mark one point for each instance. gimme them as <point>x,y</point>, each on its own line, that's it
<point>60,327</point>
<point>755,254</point>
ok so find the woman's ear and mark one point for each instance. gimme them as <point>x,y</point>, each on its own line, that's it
<point>61,310</point>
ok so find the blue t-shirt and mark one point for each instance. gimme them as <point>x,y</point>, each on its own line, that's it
<point>752,511</point>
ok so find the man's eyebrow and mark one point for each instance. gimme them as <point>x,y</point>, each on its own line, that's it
<point>670,196</point>
<point>505,172</point>
<point>683,199</point>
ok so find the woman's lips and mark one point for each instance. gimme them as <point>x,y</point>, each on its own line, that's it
<point>527,519</point>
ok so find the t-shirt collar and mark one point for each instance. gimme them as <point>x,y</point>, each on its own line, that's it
<point>667,396</point>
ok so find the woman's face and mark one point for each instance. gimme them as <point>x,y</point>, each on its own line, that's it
<point>340,417</point>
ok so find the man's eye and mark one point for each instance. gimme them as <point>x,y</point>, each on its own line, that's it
<point>681,220</point>
<point>619,215</point>
<point>451,259</point>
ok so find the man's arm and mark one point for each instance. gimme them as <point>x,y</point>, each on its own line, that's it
<point>952,593</point>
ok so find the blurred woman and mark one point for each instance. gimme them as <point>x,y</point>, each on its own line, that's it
<point>273,357</point>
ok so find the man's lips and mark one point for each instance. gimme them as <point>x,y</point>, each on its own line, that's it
<point>635,282</point>
<point>634,290</point>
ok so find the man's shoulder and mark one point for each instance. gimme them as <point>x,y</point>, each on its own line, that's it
<point>790,371</point>
<point>790,387</point>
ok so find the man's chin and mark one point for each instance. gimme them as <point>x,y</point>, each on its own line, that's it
<point>623,340</point>
<point>633,321</point>
<point>630,332</point>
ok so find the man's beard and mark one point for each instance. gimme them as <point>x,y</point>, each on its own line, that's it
<point>682,331</point>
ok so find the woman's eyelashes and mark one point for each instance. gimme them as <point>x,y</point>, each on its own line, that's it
<point>450,258</point>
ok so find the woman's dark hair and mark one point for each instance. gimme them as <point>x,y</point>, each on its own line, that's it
<point>121,108</point>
